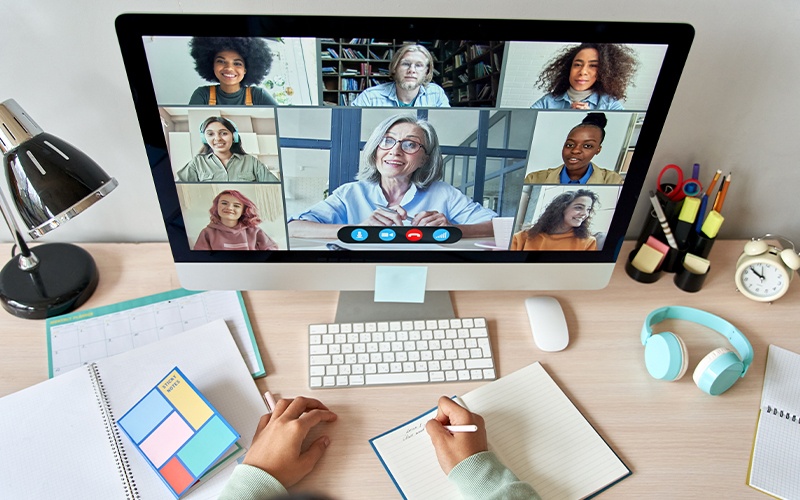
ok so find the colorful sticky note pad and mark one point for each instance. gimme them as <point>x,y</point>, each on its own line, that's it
<point>178,431</point>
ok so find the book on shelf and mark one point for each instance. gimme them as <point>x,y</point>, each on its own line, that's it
<point>532,427</point>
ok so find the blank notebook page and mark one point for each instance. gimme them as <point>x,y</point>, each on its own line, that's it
<point>541,436</point>
<point>775,468</point>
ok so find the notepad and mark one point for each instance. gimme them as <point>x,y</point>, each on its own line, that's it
<point>58,439</point>
<point>82,337</point>
<point>178,432</point>
<point>774,466</point>
<point>532,427</point>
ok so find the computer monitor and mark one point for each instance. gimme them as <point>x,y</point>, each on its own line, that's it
<point>305,152</point>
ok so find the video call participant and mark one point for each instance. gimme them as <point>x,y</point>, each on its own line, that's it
<point>564,225</point>
<point>276,460</point>
<point>587,76</point>
<point>222,157</point>
<point>411,70</point>
<point>583,143</point>
<point>237,65</point>
<point>234,225</point>
<point>401,168</point>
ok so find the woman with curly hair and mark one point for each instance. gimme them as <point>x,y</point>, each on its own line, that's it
<point>234,225</point>
<point>237,65</point>
<point>564,225</point>
<point>587,76</point>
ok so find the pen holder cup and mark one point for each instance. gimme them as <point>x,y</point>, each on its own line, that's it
<point>638,275</point>
<point>689,281</point>
<point>700,245</point>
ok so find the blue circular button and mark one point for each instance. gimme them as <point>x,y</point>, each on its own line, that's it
<point>387,234</point>
<point>359,234</point>
<point>441,235</point>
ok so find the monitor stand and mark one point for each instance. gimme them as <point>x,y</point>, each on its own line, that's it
<point>355,307</point>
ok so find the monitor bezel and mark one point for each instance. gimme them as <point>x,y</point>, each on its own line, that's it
<point>131,28</point>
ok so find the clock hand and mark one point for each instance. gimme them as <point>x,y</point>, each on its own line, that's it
<point>760,276</point>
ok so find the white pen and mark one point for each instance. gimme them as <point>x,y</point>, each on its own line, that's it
<point>461,428</point>
<point>270,400</point>
<point>392,211</point>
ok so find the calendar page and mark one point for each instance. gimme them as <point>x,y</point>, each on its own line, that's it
<point>81,337</point>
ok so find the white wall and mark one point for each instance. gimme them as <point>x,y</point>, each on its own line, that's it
<point>736,107</point>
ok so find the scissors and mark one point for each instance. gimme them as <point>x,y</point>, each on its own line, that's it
<point>682,188</point>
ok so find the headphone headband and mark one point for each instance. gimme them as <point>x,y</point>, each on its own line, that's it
<point>712,321</point>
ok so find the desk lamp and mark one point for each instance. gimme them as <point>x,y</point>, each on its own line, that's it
<point>50,182</point>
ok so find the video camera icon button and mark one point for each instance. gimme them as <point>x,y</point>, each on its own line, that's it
<point>387,235</point>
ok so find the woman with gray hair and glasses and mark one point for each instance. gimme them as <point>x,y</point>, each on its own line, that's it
<point>397,184</point>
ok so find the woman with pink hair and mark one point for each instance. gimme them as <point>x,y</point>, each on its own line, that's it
<point>234,225</point>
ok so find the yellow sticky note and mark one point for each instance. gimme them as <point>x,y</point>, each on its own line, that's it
<point>689,209</point>
<point>712,224</point>
<point>185,399</point>
<point>647,259</point>
<point>696,264</point>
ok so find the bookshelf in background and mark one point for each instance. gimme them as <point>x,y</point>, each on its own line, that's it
<point>471,71</point>
<point>349,66</point>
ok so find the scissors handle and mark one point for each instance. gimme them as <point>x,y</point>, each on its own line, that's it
<point>672,192</point>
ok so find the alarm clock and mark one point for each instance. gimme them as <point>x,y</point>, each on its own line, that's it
<point>764,271</point>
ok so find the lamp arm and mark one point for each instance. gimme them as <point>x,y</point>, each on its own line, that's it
<point>27,260</point>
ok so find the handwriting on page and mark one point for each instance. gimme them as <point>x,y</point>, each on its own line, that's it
<point>409,458</point>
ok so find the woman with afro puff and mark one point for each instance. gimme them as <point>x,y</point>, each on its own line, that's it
<point>237,65</point>
<point>587,76</point>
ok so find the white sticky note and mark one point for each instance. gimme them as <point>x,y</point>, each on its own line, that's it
<point>400,283</point>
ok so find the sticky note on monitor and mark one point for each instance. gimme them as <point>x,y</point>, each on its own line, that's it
<point>400,283</point>
<point>178,432</point>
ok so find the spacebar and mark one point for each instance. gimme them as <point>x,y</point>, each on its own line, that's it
<point>396,378</point>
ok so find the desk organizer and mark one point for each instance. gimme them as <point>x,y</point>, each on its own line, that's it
<point>697,244</point>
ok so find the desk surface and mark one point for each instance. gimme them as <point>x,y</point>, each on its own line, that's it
<point>679,442</point>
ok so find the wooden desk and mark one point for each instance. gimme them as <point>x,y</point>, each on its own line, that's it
<point>679,442</point>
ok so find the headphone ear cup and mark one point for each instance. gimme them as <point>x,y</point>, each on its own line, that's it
<point>718,371</point>
<point>665,356</point>
<point>235,136</point>
<point>755,247</point>
<point>790,258</point>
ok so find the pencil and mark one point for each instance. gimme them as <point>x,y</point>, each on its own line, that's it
<point>723,190</point>
<point>713,181</point>
<point>662,219</point>
<point>461,428</point>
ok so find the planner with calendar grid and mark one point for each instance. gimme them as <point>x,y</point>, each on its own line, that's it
<point>774,466</point>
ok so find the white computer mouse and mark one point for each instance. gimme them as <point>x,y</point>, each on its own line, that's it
<point>548,325</point>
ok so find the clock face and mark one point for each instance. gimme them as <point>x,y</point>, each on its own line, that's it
<point>762,280</point>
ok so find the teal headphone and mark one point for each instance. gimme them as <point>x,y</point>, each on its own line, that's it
<point>665,353</point>
<point>206,123</point>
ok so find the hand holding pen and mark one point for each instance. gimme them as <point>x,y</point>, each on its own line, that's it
<point>453,447</point>
<point>424,218</point>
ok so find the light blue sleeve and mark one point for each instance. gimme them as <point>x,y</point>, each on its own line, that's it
<point>463,210</point>
<point>483,477</point>
<point>251,483</point>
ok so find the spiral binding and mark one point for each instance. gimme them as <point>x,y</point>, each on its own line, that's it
<point>125,472</point>
<point>789,416</point>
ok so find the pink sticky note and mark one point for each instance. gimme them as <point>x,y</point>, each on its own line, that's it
<point>656,244</point>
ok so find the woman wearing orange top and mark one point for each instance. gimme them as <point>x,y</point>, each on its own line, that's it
<point>564,225</point>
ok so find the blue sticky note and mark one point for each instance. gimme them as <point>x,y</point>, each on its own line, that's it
<point>400,283</point>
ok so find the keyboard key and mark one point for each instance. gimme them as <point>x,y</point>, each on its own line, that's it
<point>399,352</point>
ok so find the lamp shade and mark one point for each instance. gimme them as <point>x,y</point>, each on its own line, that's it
<point>49,180</point>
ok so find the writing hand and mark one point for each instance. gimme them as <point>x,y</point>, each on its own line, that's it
<point>432,218</point>
<point>383,216</point>
<point>277,445</point>
<point>453,448</point>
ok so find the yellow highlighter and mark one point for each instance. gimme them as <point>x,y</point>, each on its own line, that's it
<point>712,224</point>
<point>686,219</point>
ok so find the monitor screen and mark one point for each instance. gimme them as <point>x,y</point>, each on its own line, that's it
<point>302,152</point>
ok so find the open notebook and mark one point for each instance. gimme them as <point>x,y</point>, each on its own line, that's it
<point>59,438</point>
<point>532,427</point>
<point>774,465</point>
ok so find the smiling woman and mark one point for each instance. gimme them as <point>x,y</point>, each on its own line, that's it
<point>222,157</point>
<point>401,169</point>
<point>564,224</point>
<point>234,225</point>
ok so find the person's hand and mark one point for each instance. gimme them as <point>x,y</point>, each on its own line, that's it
<point>432,218</point>
<point>386,217</point>
<point>276,447</point>
<point>452,448</point>
<point>580,105</point>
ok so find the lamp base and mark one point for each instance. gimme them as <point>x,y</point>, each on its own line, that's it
<point>65,278</point>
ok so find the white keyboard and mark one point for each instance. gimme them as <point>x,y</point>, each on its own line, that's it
<point>399,352</point>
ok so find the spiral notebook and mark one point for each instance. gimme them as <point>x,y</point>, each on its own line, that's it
<point>59,438</point>
<point>774,466</point>
<point>532,427</point>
